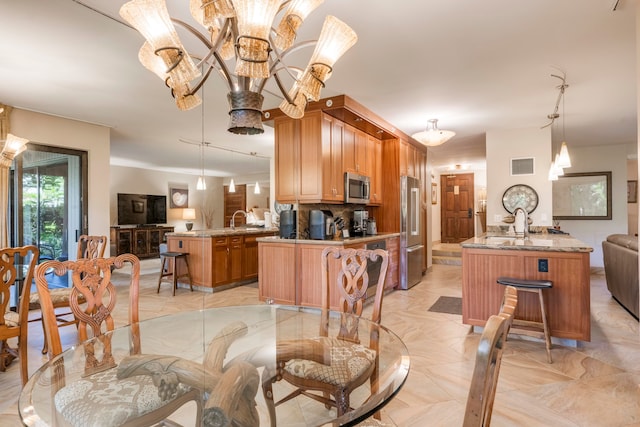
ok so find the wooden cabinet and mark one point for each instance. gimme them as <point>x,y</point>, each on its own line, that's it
<point>567,302</point>
<point>374,168</point>
<point>332,159</point>
<point>393,247</point>
<point>219,260</point>
<point>142,242</point>
<point>277,272</point>
<point>313,153</point>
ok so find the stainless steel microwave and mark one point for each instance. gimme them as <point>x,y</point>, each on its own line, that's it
<point>356,188</point>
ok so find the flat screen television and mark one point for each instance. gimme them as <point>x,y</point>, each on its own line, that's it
<point>141,209</point>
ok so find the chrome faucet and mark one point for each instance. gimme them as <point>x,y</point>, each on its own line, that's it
<point>521,222</point>
<point>233,218</point>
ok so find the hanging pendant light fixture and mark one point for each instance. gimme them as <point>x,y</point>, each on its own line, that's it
<point>562,159</point>
<point>256,189</point>
<point>432,136</point>
<point>202,184</point>
<point>246,46</point>
<point>232,186</point>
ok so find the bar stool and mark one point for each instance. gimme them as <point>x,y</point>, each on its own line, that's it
<point>169,267</point>
<point>528,327</point>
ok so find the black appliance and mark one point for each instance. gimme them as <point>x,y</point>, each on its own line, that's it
<point>141,209</point>
<point>288,224</point>
<point>321,224</point>
<point>373,268</point>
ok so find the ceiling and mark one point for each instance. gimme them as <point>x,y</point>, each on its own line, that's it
<point>477,66</point>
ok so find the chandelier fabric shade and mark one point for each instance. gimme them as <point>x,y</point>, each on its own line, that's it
<point>432,136</point>
<point>13,146</point>
<point>244,31</point>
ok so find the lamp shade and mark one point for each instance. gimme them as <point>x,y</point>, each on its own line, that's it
<point>563,160</point>
<point>432,136</point>
<point>188,213</point>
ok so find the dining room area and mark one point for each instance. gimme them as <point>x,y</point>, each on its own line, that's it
<point>581,384</point>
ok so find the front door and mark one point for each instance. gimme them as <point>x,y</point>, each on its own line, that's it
<point>457,219</point>
<point>49,203</point>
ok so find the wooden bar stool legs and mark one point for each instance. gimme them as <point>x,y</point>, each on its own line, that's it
<point>169,268</point>
<point>527,327</point>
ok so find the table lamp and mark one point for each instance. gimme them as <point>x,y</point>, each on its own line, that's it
<point>188,214</point>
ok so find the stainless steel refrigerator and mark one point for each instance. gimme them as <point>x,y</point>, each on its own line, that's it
<point>411,247</point>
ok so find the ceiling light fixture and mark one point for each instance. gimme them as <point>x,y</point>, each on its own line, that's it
<point>432,136</point>
<point>241,31</point>
<point>13,146</point>
<point>562,159</point>
<point>202,184</point>
<point>232,186</point>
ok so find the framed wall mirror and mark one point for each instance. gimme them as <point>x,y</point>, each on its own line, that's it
<point>585,195</point>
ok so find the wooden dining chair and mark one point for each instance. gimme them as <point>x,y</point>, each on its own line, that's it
<point>17,266</point>
<point>328,369</point>
<point>99,394</point>
<point>485,373</point>
<point>88,247</point>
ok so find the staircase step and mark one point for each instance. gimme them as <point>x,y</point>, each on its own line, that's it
<point>448,260</point>
<point>447,253</point>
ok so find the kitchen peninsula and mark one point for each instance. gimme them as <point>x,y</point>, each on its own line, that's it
<point>560,258</point>
<point>220,256</point>
<point>291,273</point>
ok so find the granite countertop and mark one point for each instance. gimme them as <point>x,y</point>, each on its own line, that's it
<point>534,242</point>
<point>227,231</point>
<point>339,242</point>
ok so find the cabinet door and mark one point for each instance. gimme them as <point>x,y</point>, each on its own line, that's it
<point>349,149</point>
<point>361,153</point>
<point>310,157</point>
<point>155,238</point>
<point>277,272</point>
<point>285,159</point>
<point>140,243</point>
<point>250,258</point>
<point>374,168</point>
<point>332,155</point>
<point>235,258</point>
<point>220,261</point>
<point>124,241</point>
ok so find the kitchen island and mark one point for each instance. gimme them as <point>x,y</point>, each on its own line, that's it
<point>290,269</point>
<point>560,258</point>
<point>219,256</point>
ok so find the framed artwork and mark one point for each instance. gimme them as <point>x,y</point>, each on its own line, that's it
<point>434,193</point>
<point>585,195</point>
<point>632,191</point>
<point>178,198</point>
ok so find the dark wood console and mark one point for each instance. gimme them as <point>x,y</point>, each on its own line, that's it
<point>144,242</point>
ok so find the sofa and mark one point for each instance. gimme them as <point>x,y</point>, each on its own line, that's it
<point>620,253</point>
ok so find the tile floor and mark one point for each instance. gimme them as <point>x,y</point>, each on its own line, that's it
<point>594,384</point>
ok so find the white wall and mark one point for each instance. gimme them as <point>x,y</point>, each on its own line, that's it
<point>501,147</point>
<point>59,132</point>
<point>601,159</point>
<point>144,181</point>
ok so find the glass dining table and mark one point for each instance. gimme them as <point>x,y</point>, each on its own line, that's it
<point>210,345</point>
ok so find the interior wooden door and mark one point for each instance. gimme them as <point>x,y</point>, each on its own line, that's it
<point>234,202</point>
<point>457,218</point>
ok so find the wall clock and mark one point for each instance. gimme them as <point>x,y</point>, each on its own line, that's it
<point>520,195</point>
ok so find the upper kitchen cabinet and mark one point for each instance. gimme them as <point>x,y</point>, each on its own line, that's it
<point>312,154</point>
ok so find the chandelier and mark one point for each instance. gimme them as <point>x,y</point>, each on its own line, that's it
<point>562,159</point>
<point>244,47</point>
<point>433,136</point>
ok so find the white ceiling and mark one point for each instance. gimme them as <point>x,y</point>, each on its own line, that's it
<point>475,65</point>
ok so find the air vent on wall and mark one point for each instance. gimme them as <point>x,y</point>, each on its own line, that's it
<point>522,166</point>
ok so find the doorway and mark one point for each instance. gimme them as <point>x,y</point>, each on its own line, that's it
<point>457,216</point>
<point>49,200</point>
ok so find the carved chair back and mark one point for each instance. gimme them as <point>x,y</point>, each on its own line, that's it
<point>91,246</point>
<point>17,266</point>
<point>485,373</point>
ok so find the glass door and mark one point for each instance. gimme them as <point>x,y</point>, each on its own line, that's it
<point>49,202</point>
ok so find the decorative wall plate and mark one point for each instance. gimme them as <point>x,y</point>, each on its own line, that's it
<point>520,195</point>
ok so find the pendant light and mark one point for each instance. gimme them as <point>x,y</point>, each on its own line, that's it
<point>202,185</point>
<point>256,189</point>
<point>232,186</point>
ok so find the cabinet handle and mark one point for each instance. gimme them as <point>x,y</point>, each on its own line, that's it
<point>227,251</point>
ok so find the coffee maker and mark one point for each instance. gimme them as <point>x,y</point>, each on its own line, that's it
<point>288,224</point>
<point>360,221</point>
<point>321,225</point>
